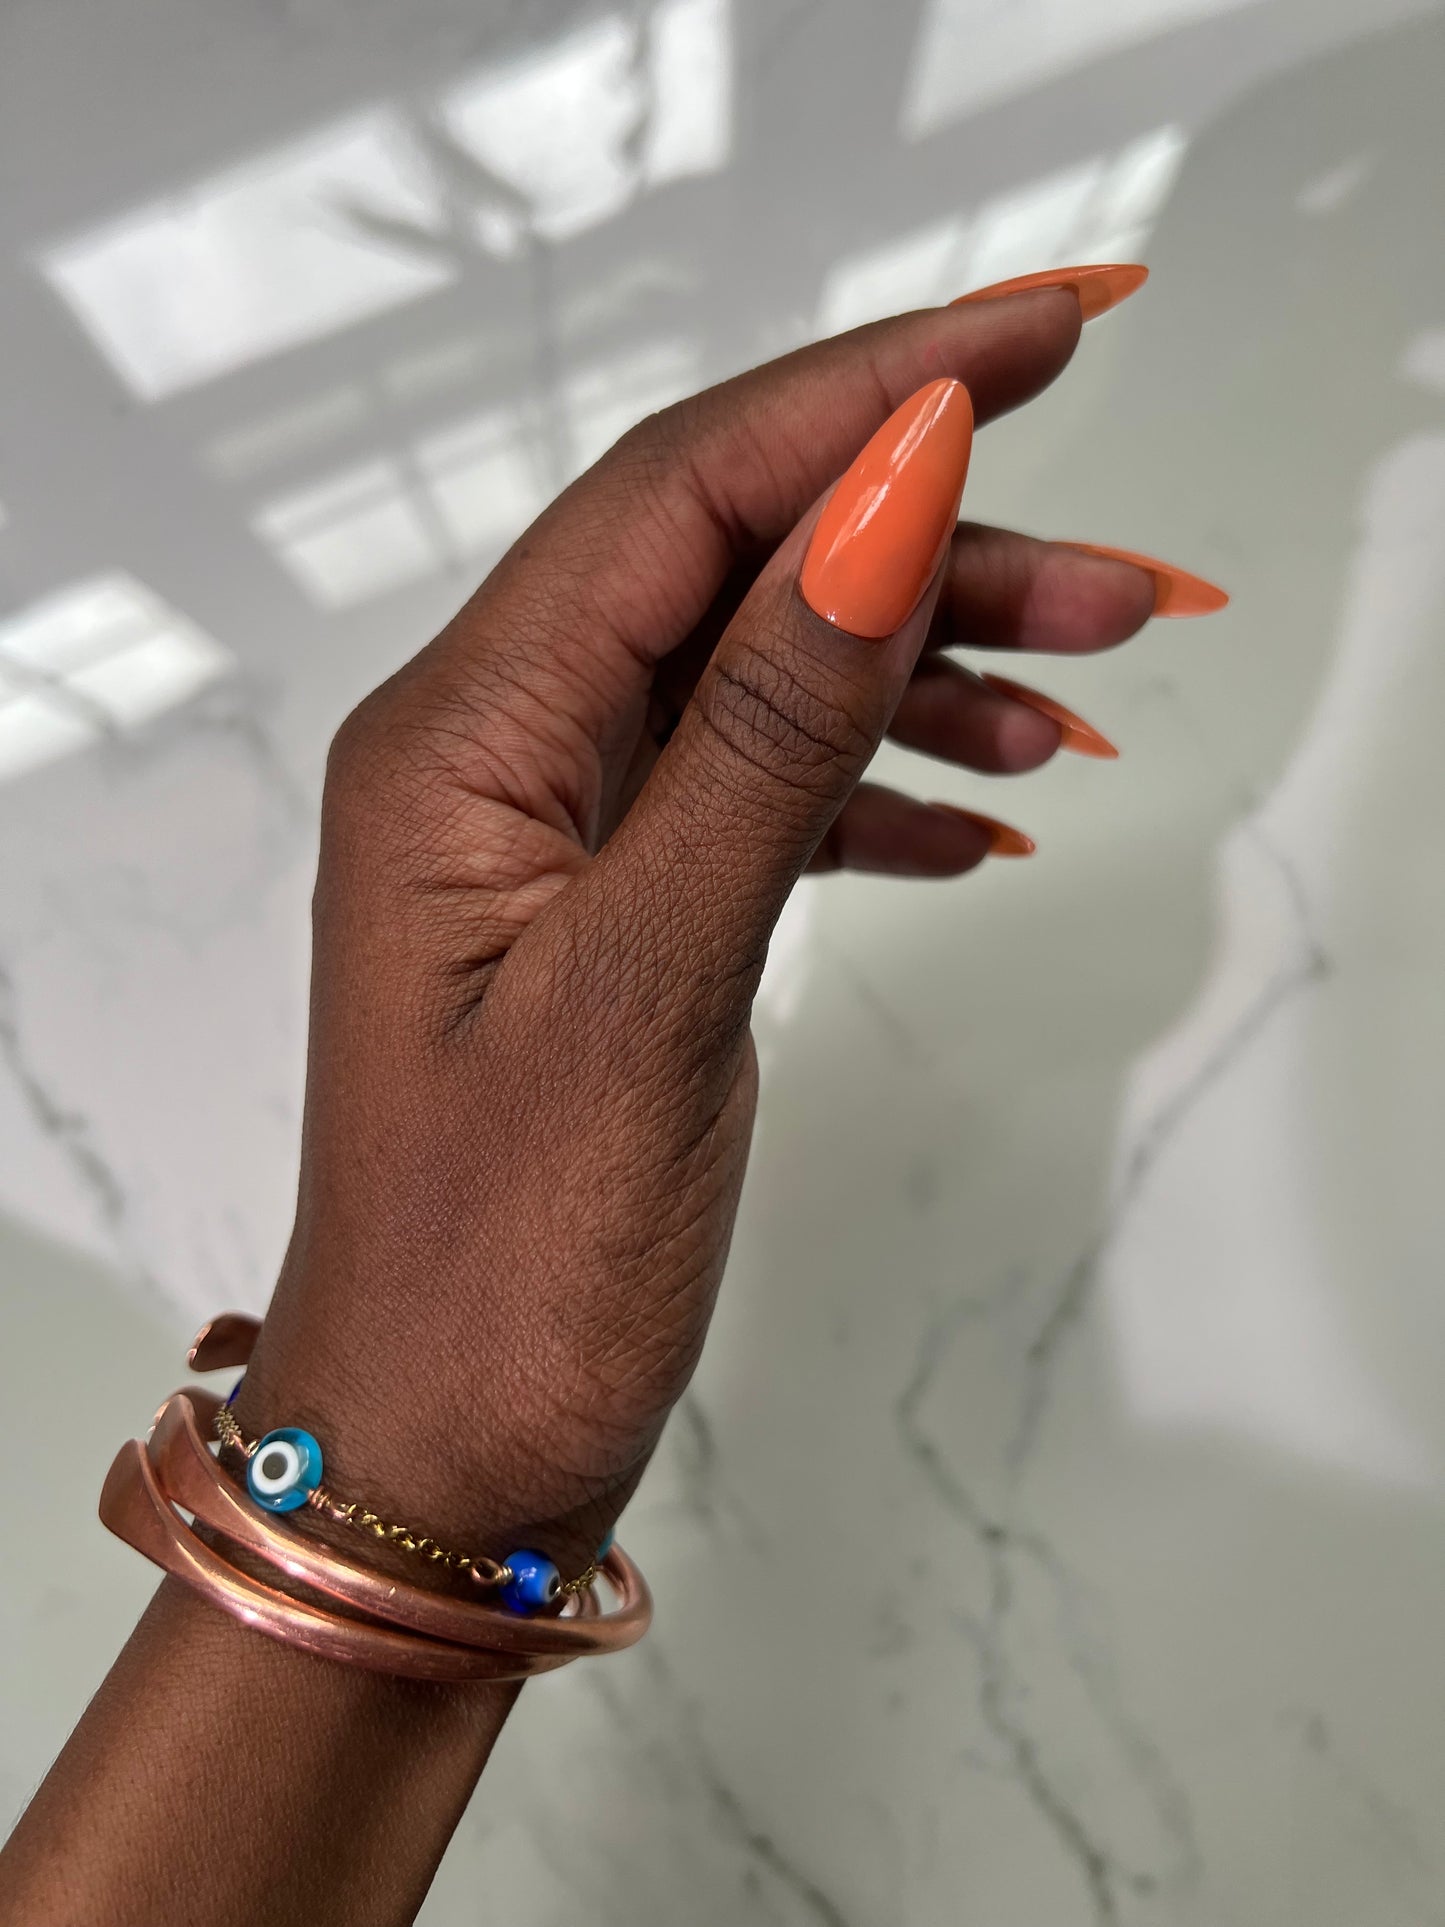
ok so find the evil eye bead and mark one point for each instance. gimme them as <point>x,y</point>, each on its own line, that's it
<point>284,1470</point>
<point>535,1583</point>
<point>607,1544</point>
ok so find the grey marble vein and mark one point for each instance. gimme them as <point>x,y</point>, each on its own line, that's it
<point>61,694</point>
<point>1310,966</point>
<point>731,1810</point>
<point>1403,1853</point>
<point>65,1127</point>
<point>1002,1543</point>
<point>1004,1540</point>
<point>1102,1874</point>
<point>707,1499</point>
<point>240,719</point>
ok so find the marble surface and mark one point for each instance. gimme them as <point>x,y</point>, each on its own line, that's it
<point>1070,1433</point>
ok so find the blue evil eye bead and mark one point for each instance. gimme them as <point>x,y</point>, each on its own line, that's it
<point>535,1582</point>
<point>606,1546</point>
<point>284,1470</point>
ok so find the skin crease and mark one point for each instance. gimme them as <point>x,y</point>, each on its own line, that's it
<point>553,849</point>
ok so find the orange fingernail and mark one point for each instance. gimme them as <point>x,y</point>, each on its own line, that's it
<point>1003,838</point>
<point>1176,591</point>
<point>888,523</point>
<point>1098,288</point>
<point>1081,737</point>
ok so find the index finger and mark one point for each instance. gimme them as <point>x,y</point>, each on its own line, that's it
<point>629,559</point>
<point>724,475</point>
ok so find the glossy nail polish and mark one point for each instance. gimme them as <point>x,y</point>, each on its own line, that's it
<point>1098,288</point>
<point>1080,737</point>
<point>1176,592</point>
<point>887,525</point>
<point>1003,838</point>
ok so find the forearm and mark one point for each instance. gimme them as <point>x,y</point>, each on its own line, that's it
<point>221,1777</point>
<point>553,851</point>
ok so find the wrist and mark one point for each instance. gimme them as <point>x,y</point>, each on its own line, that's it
<point>342,1608</point>
<point>406,1457</point>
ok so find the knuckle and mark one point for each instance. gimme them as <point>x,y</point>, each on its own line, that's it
<point>662,439</point>
<point>773,715</point>
<point>404,734</point>
<point>376,791</point>
<point>351,758</point>
<point>642,462</point>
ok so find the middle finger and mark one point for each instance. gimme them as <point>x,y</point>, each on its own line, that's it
<point>1003,590</point>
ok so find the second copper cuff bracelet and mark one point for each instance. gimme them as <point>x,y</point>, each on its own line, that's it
<point>387,1625</point>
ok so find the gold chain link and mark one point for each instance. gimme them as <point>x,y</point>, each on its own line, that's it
<point>486,1572</point>
<point>230,1433</point>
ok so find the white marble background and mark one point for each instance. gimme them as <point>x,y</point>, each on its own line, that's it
<point>1054,1532</point>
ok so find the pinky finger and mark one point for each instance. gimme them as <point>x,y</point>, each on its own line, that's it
<point>884,833</point>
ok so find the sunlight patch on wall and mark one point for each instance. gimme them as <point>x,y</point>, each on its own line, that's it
<point>352,536</point>
<point>387,523</point>
<point>287,436</point>
<point>1423,361</point>
<point>1101,209</point>
<point>911,272</point>
<point>554,126</point>
<point>252,261</point>
<point>483,480</point>
<point>970,56</point>
<point>102,656</point>
<point>384,207</point>
<point>606,398</point>
<point>461,494</point>
<point>1327,193</point>
<point>390,522</point>
<point>689,127</point>
<point>565,135</point>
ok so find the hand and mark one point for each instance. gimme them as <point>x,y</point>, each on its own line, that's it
<point>554,847</point>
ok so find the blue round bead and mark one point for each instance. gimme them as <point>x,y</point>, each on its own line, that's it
<point>284,1469</point>
<point>535,1582</point>
<point>606,1546</point>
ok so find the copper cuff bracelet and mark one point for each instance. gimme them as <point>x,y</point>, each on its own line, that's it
<point>404,1629</point>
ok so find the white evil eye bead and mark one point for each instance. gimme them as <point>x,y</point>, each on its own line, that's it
<point>284,1470</point>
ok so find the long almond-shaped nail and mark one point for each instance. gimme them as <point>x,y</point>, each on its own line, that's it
<point>1098,288</point>
<point>1176,591</point>
<point>1080,737</point>
<point>1003,838</point>
<point>888,523</point>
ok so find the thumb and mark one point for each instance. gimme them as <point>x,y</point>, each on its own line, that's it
<point>796,698</point>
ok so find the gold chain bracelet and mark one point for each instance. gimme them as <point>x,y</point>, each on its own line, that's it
<point>286,1486</point>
